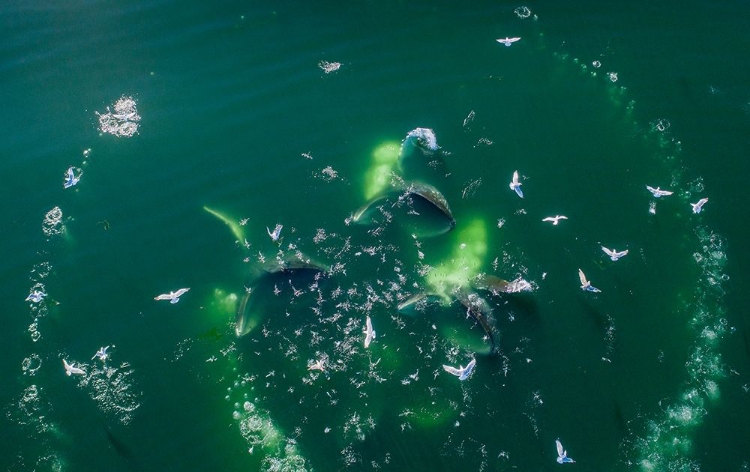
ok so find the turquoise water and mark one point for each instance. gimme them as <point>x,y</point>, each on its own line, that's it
<point>237,114</point>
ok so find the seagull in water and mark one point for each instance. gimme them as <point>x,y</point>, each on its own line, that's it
<point>585,284</point>
<point>613,254</point>
<point>515,185</point>
<point>555,219</point>
<point>70,178</point>
<point>507,41</point>
<point>562,454</point>
<point>36,296</point>
<point>275,233</point>
<point>462,372</point>
<point>369,332</point>
<point>101,354</point>
<point>173,297</point>
<point>72,369</point>
<point>658,192</point>
<point>697,207</point>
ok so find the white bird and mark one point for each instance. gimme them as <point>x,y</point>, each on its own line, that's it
<point>562,454</point>
<point>173,297</point>
<point>36,296</point>
<point>70,178</point>
<point>555,219</point>
<point>585,284</point>
<point>369,332</point>
<point>507,41</point>
<point>275,233</point>
<point>516,185</point>
<point>658,192</point>
<point>317,365</point>
<point>101,354</point>
<point>697,207</point>
<point>613,254</point>
<point>462,372</point>
<point>71,369</point>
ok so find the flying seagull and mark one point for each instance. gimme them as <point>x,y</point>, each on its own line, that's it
<point>555,219</point>
<point>101,354</point>
<point>585,284</point>
<point>613,254</point>
<point>173,297</point>
<point>516,185</point>
<point>462,372</point>
<point>275,233</point>
<point>36,296</point>
<point>317,365</point>
<point>72,369</point>
<point>658,192</point>
<point>697,207</point>
<point>507,41</point>
<point>369,332</point>
<point>562,454</point>
<point>70,178</point>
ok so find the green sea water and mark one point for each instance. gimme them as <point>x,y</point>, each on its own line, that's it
<point>255,114</point>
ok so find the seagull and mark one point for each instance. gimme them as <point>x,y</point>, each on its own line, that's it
<point>173,297</point>
<point>658,192</point>
<point>72,369</point>
<point>36,296</point>
<point>462,372</point>
<point>516,185</point>
<point>562,454</point>
<point>585,284</point>
<point>697,207</point>
<point>555,219</point>
<point>369,332</point>
<point>318,365</point>
<point>70,178</point>
<point>101,354</point>
<point>507,41</point>
<point>275,233</point>
<point>613,254</point>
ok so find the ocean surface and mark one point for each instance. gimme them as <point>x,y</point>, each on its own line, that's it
<point>382,138</point>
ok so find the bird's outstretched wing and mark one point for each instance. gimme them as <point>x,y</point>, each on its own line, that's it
<point>582,276</point>
<point>452,370</point>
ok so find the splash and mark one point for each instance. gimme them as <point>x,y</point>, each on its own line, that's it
<point>123,121</point>
<point>329,67</point>
<point>53,223</point>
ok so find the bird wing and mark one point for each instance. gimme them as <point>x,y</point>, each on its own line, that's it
<point>582,277</point>
<point>180,292</point>
<point>652,189</point>
<point>609,252</point>
<point>466,371</point>
<point>164,296</point>
<point>451,370</point>
<point>560,450</point>
<point>623,253</point>
<point>515,177</point>
<point>549,218</point>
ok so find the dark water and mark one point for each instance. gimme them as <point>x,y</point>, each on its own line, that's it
<point>237,114</point>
